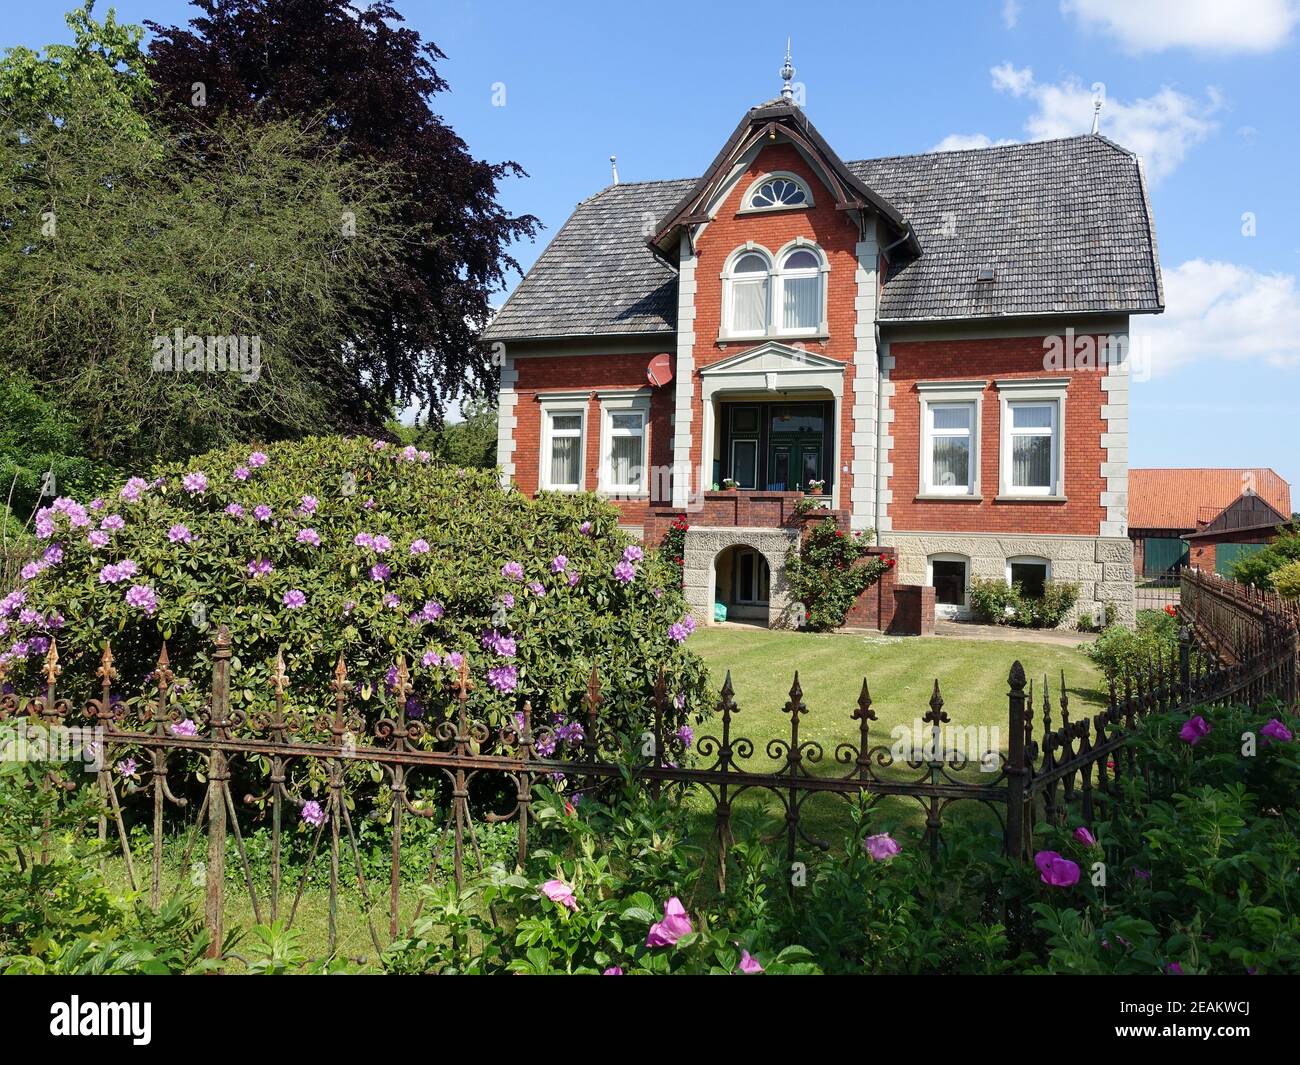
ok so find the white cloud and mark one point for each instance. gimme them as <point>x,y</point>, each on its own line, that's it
<point>959,142</point>
<point>1205,25</point>
<point>1015,80</point>
<point>1224,312</point>
<point>1161,128</point>
<point>1010,13</point>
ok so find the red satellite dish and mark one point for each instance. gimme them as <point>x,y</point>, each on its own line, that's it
<point>660,370</point>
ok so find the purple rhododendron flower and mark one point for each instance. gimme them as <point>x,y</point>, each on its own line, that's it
<point>113,523</point>
<point>194,483</point>
<point>1142,874</point>
<point>537,588</point>
<point>613,970</point>
<point>185,727</point>
<point>235,510</point>
<point>380,572</point>
<point>1194,731</point>
<point>262,512</point>
<point>128,767</point>
<point>676,923</point>
<point>503,678</point>
<point>559,564</point>
<point>1275,730</point>
<point>749,964</point>
<point>632,553</point>
<point>574,578</point>
<point>180,534</point>
<point>133,489</point>
<point>1055,870</point>
<point>431,659</point>
<point>309,536</point>
<point>257,458</point>
<point>585,528</point>
<point>513,571</point>
<point>97,538</point>
<point>685,735</point>
<point>32,570</point>
<point>309,504</point>
<point>508,600</point>
<point>242,473</point>
<point>881,847</point>
<point>1174,969</point>
<point>570,732</point>
<point>501,643</point>
<point>455,659</point>
<point>364,539</point>
<point>624,572</point>
<point>260,567</point>
<point>141,597</point>
<point>381,545</point>
<point>313,813</point>
<point>419,547</point>
<point>294,599</point>
<point>53,555</point>
<point>560,892</point>
<point>1085,837</point>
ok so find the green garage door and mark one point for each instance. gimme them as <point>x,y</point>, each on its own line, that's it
<point>1161,555</point>
<point>1226,554</point>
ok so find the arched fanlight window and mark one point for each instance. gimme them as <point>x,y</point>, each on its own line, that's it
<point>747,297</point>
<point>800,289</point>
<point>778,191</point>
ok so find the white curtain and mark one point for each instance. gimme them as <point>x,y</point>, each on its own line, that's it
<point>802,300</point>
<point>566,463</point>
<point>1031,450</point>
<point>951,460</point>
<point>749,314</point>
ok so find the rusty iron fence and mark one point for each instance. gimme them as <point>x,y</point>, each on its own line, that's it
<point>1049,769</point>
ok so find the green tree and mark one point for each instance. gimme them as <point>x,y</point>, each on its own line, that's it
<point>1257,568</point>
<point>471,442</point>
<point>116,240</point>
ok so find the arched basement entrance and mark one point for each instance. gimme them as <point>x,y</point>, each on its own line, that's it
<point>742,584</point>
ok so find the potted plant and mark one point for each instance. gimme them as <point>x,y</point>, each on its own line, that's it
<point>815,488</point>
<point>730,484</point>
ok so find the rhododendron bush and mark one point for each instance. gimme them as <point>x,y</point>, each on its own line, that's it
<point>336,545</point>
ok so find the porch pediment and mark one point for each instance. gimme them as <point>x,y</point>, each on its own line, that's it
<point>774,357</point>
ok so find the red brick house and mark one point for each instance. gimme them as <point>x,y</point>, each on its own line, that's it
<point>933,345</point>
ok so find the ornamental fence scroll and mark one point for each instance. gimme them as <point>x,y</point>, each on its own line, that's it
<point>1035,776</point>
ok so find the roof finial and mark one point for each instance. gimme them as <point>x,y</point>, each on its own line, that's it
<point>613,166</point>
<point>787,74</point>
<point>1096,113</point>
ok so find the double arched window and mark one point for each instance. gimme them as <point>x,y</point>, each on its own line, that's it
<point>775,295</point>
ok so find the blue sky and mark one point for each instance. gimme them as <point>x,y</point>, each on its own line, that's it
<point>1205,90</point>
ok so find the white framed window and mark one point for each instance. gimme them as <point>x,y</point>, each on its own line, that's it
<point>950,438</point>
<point>747,286</point>
<point>564,436</point>
<point>1032,438</point>
<point>1031,573</point>
<point>624,443</point>
<point>777,191</point>
<point>949,576</point>
<point>801,289</point>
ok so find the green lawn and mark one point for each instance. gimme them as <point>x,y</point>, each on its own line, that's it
<point>900,671</point>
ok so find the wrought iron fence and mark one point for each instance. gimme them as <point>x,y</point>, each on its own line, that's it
<point>1075,765</point>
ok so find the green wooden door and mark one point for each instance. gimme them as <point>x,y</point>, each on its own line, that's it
<point>1162,554</point>
<point>1226,554</point>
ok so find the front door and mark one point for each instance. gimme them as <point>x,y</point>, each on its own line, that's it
<point>795,447</point>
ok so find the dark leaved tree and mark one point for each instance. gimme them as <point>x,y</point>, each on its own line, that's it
<point>373,79</point>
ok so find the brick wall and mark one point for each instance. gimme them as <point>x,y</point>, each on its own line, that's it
<point>1008,357</point>
<point>590,373</point>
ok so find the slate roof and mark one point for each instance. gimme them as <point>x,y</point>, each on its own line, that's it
<point>1179,498</point>
<point>1065,224</point>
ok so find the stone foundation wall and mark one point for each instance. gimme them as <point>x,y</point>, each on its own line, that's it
<point>702,548</point>
<point>1101,566</point>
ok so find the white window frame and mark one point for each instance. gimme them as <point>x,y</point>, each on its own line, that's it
<point>780,274</point>
<point>747,201</point>
<point>552,406</point>
<point>950,394</point>
<point>1034,392</point>
<point>612,403</point>
<point>1030,560</point>
<point>950,608</point>
<point>729,280</point>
